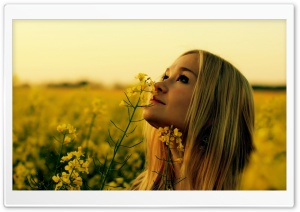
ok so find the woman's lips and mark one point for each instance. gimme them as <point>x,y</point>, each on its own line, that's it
<point>156,100</point>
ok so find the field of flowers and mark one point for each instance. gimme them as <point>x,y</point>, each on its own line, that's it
<point>51,126</point>
<point>267,169</point>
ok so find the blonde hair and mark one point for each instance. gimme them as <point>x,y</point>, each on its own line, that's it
<point>218,134</point>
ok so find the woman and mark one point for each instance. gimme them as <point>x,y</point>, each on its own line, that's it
<point>211,103</point>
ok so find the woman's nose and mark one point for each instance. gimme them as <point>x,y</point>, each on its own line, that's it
<point>161,87</point>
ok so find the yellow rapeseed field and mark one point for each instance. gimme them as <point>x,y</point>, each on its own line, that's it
<point>267,170</point>
<point>40,139</point>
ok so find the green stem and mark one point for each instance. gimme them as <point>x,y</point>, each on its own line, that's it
<point>118,145</point>
<point>167,169</point>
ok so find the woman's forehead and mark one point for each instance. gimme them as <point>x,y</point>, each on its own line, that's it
<point>188,61</point>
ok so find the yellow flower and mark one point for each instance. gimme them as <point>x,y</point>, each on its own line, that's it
<point>180,147</point>
<point>79,153</point>
<point>143,97</point>
<point>160,131</point>
<point>178,140</point>
<point>177,133</point>
<point>72,165</point>
<point>69,181</point>
<point>164,138</point>
<point>131,91</point>
<point>74,135</point>
<point>145,86</point>
<point>78,181</point>
<point>137,88</point>
<point>67,140</point>
<point>60,181</point>
<point>166,129</point>
<point>71,129</point>
<point>65,178</point>
<point>85,165</point>
<point>168,135</point>
<point>119,180</point>
<point>141,76</point>
<point>69,168</point>
<point>77,164</point>
<point>61,128</point>
<point>56,179</point>
<point>75,174</point>
<point>59,185</point>
<point>67,158</point>
<point>152,88</point>
<point>122,103</point>
<point>98,106</point>
<point>67,128</point>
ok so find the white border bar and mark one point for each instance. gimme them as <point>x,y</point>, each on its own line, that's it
<point>147,11</point>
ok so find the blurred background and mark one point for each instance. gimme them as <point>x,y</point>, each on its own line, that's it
<point>63,69</point>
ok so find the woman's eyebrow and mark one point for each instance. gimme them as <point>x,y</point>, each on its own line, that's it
<point>182,69</point>
<point>189,70</point>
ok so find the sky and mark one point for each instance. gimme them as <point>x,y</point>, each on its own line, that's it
<point>114,51</point>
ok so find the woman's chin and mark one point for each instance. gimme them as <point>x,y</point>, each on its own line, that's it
<point>158,119</point>
<point>150,118</point>
<point>155,122</point>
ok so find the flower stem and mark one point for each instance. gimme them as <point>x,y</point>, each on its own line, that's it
<point>167,169</point>
<point>118,144</point>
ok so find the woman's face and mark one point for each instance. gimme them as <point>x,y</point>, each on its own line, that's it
<point>174,92</point>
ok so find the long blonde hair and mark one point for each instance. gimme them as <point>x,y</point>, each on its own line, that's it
<point>218,134</point>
